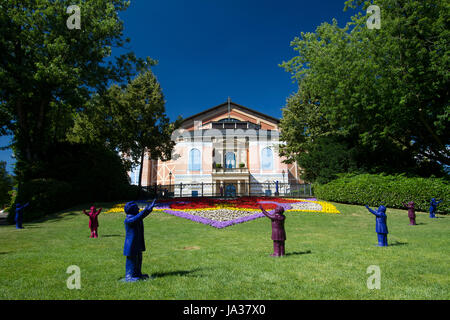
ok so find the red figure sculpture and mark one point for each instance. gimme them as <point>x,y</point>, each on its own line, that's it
<point>278,232</point>
<point>411,212</point>
<point>93,221</point>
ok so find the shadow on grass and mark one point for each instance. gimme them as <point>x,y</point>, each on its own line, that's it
<point>398,243</point>
<point>111,235</point>
<point>298,253</point>
<point>176,273</point>
<point>54,217</point>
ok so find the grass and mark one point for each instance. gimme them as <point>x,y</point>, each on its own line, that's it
<point>327,258</point>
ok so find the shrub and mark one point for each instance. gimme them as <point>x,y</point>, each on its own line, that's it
<point>74,174</point>
<point>45,196</point>
<point>95,172</point>
<point>5,185</point>
<point>388,190</point>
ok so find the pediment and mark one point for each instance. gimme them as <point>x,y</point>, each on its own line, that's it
<point>232,110</point>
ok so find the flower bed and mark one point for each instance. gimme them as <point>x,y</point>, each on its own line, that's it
<point>221,213</point>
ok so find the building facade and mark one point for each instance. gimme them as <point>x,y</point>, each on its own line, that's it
<point>226,148</point>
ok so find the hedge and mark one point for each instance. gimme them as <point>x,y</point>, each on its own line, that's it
<point>48,196</point>
<point>73,174</point>
<point>388,190</point>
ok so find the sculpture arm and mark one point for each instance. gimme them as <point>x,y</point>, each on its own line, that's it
<point>439,201</point>
<point>152,205</point>
<point>98,212</point>
<point>141,215</point>
<point>371,211</point>
<point>84,211</point>
<point>149,208</point>
<point>26,205</point>
<point>146,211</point>
<point>268,215</point>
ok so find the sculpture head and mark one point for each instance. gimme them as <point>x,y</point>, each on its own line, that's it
<point>279,210</point>
<point>131,208</point>
<point>411,204</point>
<point>382,209</point>
<point>92,208</point>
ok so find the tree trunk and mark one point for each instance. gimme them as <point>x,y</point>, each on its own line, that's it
<point>140,173</point>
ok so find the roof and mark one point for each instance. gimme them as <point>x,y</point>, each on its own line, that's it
<point>235,104</point>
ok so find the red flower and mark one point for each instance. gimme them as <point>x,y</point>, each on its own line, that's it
<point>244,202</point>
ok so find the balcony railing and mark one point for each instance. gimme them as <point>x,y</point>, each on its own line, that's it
<point>230,170</point>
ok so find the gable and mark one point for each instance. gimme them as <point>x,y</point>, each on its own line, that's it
<point>236,111</point>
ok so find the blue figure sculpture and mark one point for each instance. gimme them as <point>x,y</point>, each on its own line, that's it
<point>134,240</point>
<point>433,207</point>
<point>381,226</point>
<point>19,214</point>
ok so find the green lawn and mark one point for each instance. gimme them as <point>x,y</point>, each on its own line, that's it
<point>327,258</point>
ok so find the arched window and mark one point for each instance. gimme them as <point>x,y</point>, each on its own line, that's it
<point>134,175</point>
<point>195,161</point>
<point>267,159</point>
<point>230,160</point>
<point>229,120</point>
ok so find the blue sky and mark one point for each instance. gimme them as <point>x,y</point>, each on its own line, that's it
<point>211,49</point>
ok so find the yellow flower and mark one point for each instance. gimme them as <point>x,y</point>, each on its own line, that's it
<point>116,208</point>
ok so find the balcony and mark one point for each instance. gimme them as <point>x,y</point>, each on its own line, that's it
<point>230,172</point>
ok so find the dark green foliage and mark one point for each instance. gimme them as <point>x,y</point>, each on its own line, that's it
<point>389,190</point>
<point>132,120</point>
<point>49,73</point>
<point>54,91</point>
<point>5,185</point>
<point>382,91</point>
<point>74,173</point>
<point>326,158</point>
<point>95,172</point>
<point>45,196</point>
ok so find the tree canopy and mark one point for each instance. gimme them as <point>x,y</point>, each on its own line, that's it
<point>49,73</point>
<point>71,105</point>
<point>132,120</point>
<point>380,94</point>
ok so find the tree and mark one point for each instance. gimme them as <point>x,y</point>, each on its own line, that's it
<point>131,120</point>
<point>6,184</point>
<point>382,91</point>
<point>142,122</point>
<point>48,73</point>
